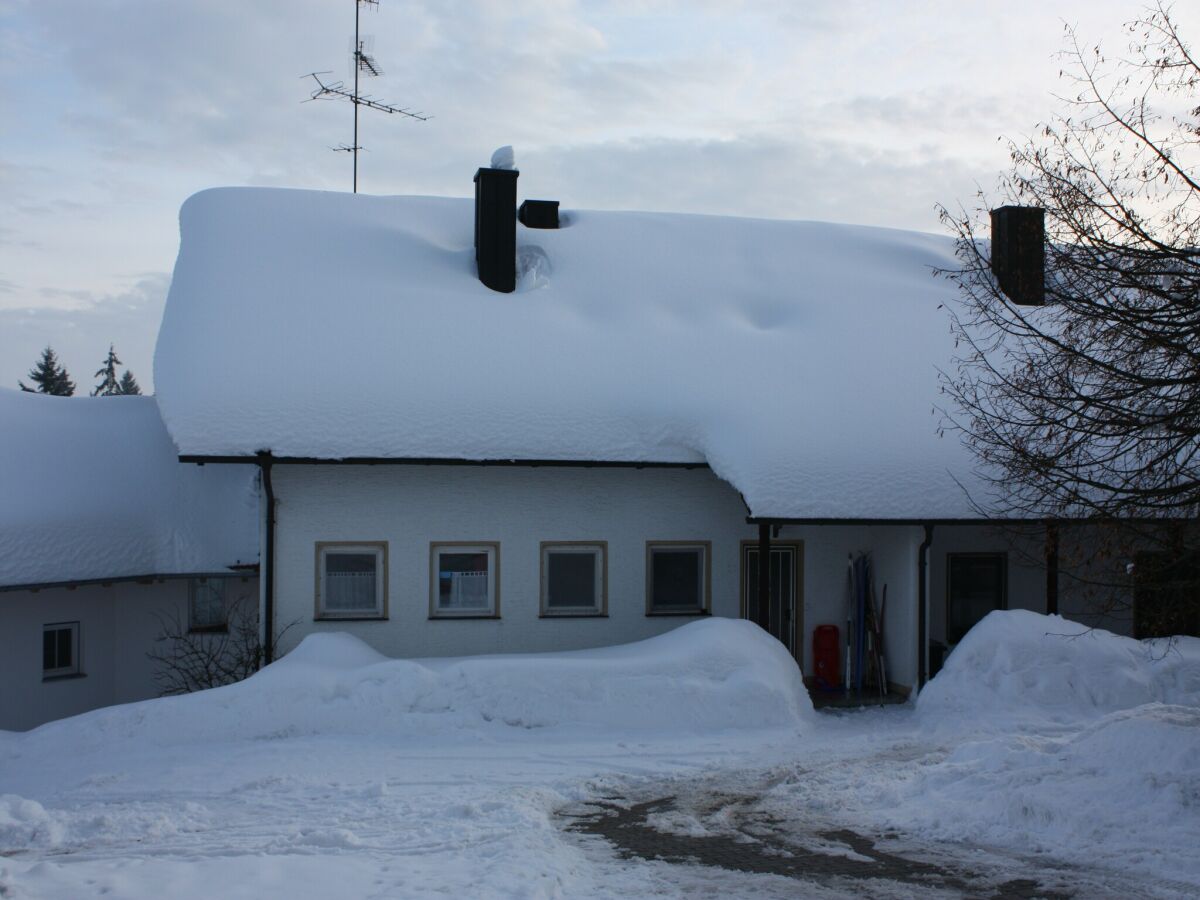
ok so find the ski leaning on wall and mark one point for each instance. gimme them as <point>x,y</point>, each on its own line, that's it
<point>865,663</point>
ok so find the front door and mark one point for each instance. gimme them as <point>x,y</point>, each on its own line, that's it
<point>784,622</point>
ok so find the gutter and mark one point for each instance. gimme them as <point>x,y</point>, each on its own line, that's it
<point>923,606</point>
<point>201,459</point>
<point>265,462</point>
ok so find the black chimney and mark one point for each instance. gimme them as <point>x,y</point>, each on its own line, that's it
<point>496,228</point>
<point>1018,253</point>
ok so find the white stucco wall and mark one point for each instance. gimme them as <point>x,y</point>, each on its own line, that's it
<point>118,624</point>
<point>411,506</point>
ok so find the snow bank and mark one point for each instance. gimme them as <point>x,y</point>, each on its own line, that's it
<point>1022,663</point>
<point>707,676</point>
<point>93,488</point>
<point>634,337</point>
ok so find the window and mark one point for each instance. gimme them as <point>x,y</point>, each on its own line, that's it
<point>574,578</point>
<point>60,649</point>
<point>677,577</point>
<point>206,604</point>
<point>351,580</point>
<point>1166,594</point>
<point>976,585</point>
<point>463,580</point>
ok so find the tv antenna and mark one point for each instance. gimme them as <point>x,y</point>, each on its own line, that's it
<point>364,65</point>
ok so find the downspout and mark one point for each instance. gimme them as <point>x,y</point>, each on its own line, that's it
<point>922,605</point>
<point>264,464</point>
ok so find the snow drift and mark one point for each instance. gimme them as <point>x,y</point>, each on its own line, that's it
<point>1018,662</point>
<point>707,676</point>
<point>1075,742</point>
<point>631,337</point>
<point>93,488</point>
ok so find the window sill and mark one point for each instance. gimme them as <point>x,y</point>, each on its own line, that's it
<point>209,629</point>
<point>678,612</point>
<point>71,676</point>
<point>573,615</point>
<point>450,617</point>
<point>367,617</point>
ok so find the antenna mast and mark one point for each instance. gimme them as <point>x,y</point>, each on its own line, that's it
<point>364,64</point>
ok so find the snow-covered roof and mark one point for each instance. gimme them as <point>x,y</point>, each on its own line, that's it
<point>797,359</point>
<point>93,489</point>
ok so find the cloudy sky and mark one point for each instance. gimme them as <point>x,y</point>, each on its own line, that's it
<point>115,111</point>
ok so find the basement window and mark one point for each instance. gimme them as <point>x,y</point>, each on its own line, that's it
<point>464,581</point>
<point>60,650</point>
<point>574,578</point>
<point>677,578</point>
<point>351,580</point>
<point>207,610</point>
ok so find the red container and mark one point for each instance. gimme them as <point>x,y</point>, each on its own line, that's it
<point>827,655</point>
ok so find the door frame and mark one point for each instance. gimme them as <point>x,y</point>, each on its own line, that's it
<point>797,580</point>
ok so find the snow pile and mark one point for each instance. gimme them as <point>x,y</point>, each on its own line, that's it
<point>1082,744</point>
<point>1021,663</point>
<point>708,676</point>
<point>634,337</point>
<point>93,488</point>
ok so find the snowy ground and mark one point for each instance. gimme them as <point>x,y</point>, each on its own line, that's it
<point>1071,762</point>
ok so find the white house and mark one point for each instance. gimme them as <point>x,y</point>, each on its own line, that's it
<point>666,412</point>
<point>104,537</point>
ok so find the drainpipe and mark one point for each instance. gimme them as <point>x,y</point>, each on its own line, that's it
<point>764,576</point>
<point>922,606</point>
<point>264,464</point>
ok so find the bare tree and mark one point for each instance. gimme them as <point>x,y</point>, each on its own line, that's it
<point>1089,406</point>
<point>195,660</point>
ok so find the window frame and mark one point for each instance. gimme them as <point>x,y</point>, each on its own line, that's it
<point>197,628</point>
<point>492,550</point>
<point>380,549</point>
<point>705,607</point>
<point>974,554</point>
<point>599,609</point>
<point>75,670</point>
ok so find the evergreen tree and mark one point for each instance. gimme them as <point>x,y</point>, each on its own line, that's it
<point>108,386</point>
<point>128,384</point>
<point>49,376</point>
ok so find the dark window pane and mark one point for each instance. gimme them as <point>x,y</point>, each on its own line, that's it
<point>49,647</point>
<point>208,603</point>
<point>571,579</point>
<point>64,648</point>
<point>463,581</point>
<point>976,588</point>
<point>676,579</point>
<point>350,582</point>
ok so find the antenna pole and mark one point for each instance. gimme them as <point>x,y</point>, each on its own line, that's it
<point>354,100</point>
<point>337,90</point>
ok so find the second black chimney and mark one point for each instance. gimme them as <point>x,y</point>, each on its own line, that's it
<point>1018,253</point>
<point>496,228</point>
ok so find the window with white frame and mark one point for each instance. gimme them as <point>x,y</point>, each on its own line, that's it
<point>677,577</point>
<point>207,609</point>
<point>60,649</point>
<point>464,580</point>
<point>351,580</point>
<point>574,576</point>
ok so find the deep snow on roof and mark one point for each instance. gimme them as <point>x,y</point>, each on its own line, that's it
<point>798,359</point>
<point>93,488</point>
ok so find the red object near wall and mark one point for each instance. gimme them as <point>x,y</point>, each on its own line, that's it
<point>827,655</point>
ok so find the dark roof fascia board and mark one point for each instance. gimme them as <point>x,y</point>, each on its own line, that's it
<point>231,572</point>
<point>200,459</point>
<point>769,520</point>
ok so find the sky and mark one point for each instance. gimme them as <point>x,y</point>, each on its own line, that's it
<point>115,111</point>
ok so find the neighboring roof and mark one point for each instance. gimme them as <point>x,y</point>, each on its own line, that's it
<point>798,359</point>
<point>93,489</point>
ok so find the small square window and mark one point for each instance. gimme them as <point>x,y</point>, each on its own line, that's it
<point>60,649</point>
<point>677,577</point>
<point>206,604</point>
<point>463,580</point>
<point>574,579</point>
<point>351,581</point>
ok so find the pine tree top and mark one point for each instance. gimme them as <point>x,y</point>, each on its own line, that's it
<point>49,376</point>
<point>108,386</point>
